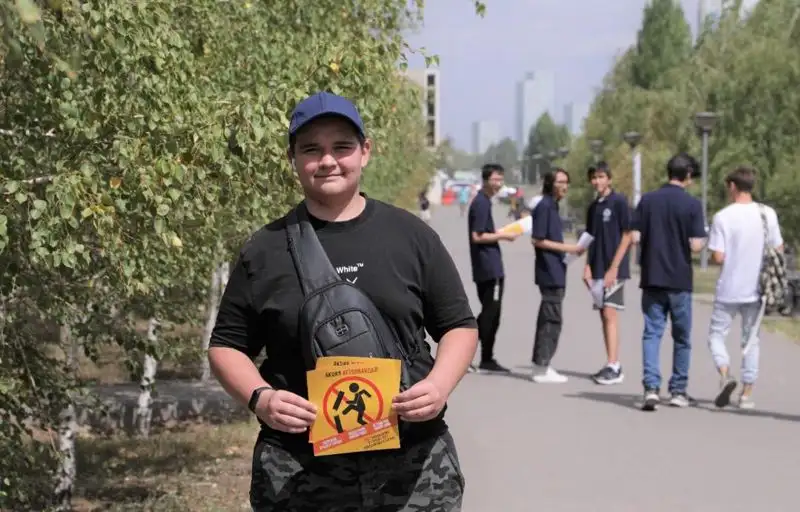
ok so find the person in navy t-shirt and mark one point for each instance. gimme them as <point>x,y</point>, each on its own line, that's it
<point>487,263</point>
<point>671,226</point>
<point>547,235</point>
<point>608,221</point>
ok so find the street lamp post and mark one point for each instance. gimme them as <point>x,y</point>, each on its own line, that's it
<point>705,121</point>
<point>597,147</point>
<point>633,139</point>
<point>538,158</point>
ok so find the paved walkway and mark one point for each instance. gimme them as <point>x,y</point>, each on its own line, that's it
<point>583,447</point>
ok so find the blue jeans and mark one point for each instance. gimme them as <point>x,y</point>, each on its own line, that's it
<point>656,305</point>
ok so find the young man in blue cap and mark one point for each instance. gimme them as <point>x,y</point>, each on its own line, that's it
<point>411,279</point>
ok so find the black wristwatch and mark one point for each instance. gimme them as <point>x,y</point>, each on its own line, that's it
<point>254,397</point>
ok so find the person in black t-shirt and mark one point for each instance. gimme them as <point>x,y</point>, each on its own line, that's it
<point>487,264</point>
<point>608,221</point>
<point>405,269</point>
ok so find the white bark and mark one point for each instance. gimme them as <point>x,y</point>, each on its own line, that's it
<point>219,279</point>
<point>144,409</point>
<point>67,430</point>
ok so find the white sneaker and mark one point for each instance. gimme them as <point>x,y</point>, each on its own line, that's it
<point>746,402</point>
<point>547,376</point>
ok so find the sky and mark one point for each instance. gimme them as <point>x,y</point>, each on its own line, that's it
<point>482,59</point>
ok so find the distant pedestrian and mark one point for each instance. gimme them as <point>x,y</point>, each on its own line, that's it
<point>547,235</point>
<point>487,264</point>
<point>424,206</point>
<point>739,234</point>
<point>464,196</point>
<point>608,222</point>
<point>671,227</point>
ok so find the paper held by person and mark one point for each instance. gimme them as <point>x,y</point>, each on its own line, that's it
<point>584,241</point>
<point>522,226</point>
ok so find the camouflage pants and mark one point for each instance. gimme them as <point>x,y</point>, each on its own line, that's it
<point>423,477</point>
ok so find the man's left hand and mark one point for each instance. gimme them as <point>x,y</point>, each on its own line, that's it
<point>421,402</point>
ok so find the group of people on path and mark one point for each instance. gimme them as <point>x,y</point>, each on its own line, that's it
<point>668,226</point>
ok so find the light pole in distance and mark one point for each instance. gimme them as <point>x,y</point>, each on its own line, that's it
<point>596,146</point>
<point>705,121</point>
<point>633,139</point>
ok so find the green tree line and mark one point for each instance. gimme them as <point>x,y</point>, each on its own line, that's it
<point>140,143</point>
<point>742,68</point>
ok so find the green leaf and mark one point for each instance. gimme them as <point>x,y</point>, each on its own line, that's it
<point>162,210</point>
<point>21,197</point>
<point>28,11</point>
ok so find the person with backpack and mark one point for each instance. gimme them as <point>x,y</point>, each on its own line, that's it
<point>746,240</point>
<point>344,274</point>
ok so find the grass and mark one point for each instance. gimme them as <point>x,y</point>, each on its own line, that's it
<point>201,468</point>
<point>705,283</point>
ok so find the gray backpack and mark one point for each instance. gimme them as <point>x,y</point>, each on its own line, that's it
<point>337,318</point>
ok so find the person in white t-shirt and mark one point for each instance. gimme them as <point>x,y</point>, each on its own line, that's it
<point>736,242</point>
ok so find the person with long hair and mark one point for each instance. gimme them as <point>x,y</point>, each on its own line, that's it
<point>547,235</point>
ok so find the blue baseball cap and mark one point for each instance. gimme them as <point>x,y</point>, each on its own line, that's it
<point>324,104</point>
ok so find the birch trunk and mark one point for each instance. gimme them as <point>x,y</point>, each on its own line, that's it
<point>144,409</point>
<point>67,431</point>
<point>219,279</point>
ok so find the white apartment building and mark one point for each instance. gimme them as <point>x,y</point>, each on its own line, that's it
<point>430,106</point>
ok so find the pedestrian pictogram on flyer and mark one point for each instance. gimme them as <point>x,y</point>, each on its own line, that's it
<point>354,397</point>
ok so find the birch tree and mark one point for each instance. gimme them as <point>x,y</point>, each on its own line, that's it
<point>133,137</point>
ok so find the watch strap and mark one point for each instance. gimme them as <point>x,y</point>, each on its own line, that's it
<point>254,397</point>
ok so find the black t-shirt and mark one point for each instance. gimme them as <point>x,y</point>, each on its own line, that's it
<point>392,255</point>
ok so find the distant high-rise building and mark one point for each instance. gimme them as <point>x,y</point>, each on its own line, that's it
<point>709,9</point>
<point>484,134</point>
<point>747,7</point>
<point>574,115</point>
<point>536,94</point>
<point>428,80</point>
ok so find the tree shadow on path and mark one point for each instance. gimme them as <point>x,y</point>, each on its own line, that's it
<point>634,401</point>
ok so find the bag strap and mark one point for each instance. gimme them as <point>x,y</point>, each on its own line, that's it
<point>310,260</point>
<point>763,212</point>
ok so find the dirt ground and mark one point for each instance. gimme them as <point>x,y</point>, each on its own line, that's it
<point>201,468</point>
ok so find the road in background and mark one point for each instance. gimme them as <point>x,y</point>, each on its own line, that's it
<point>582,447</point>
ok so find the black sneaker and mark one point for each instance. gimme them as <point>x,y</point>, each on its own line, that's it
<point>651,400</point>
<point>726,387</point>
<point>492,366</point>
<point>608,376</point>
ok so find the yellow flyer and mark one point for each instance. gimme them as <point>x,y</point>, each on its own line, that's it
<point>353,397</point>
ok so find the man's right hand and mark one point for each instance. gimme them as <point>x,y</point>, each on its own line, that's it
<point>285,411</point>
<point>587,276</point>
<point>577,249</point>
